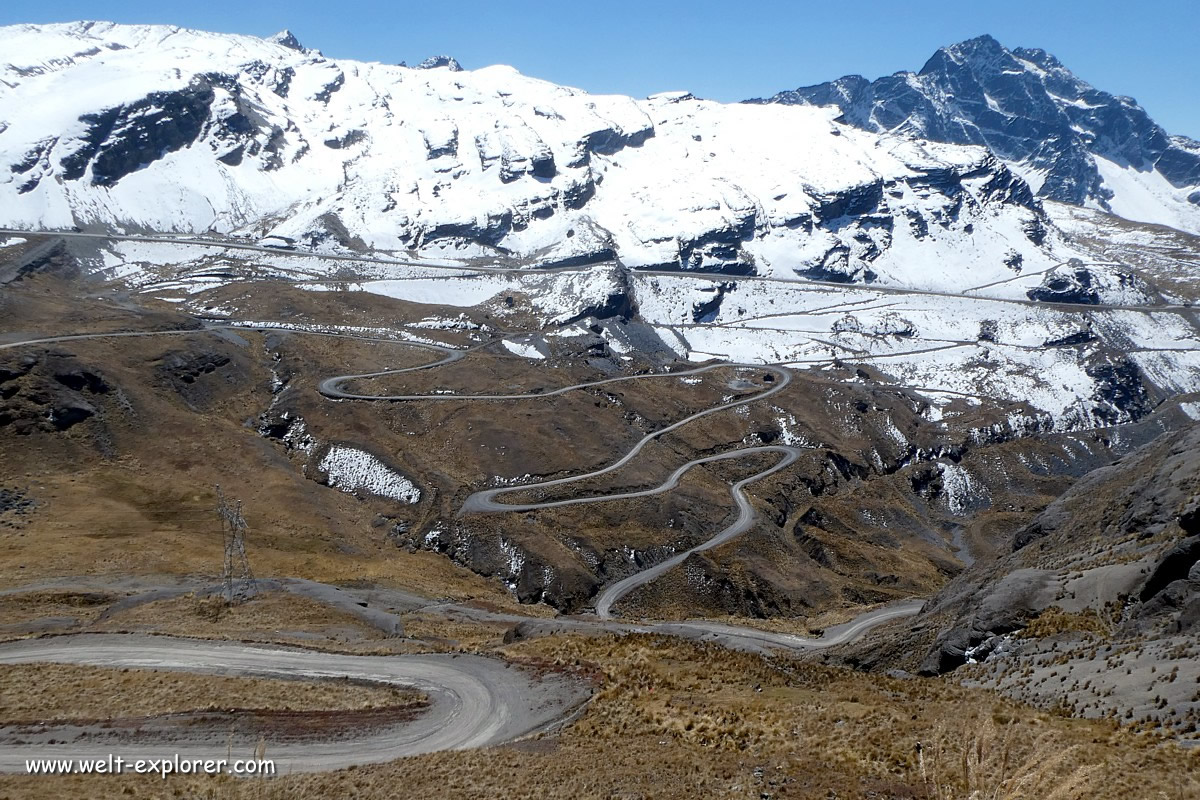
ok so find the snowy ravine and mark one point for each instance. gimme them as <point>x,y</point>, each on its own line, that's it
<point>355,471</point>
<point>152,128</point>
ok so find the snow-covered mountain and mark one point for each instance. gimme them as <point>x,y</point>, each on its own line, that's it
<point>1071,141</point>
<point>948,273</point>
<point>156,128</point>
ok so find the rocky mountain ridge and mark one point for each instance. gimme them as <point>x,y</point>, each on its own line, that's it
<point>1073,142</point>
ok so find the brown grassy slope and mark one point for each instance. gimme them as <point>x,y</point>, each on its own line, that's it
<point>131,487</point>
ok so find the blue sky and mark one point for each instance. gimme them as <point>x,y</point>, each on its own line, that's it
<point>721,50</point>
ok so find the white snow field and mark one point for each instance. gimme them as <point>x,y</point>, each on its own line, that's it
<point>756,233</point>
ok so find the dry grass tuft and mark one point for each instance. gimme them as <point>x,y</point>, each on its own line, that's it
<point>1054,621</point>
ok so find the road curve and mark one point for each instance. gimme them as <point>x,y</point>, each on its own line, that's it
<point>474,701</point>
<point>483,501</point>
<point>486,500</point>
<point>740,525</point>
<point>743,637</point>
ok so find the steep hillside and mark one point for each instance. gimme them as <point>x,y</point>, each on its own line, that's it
<point>1096,605</point>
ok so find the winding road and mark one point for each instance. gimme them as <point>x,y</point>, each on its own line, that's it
<point>474,701</point>
<point>485,501</point>
<point>743,522</point>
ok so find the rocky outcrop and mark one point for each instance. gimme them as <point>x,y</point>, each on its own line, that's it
<point>532,576</point>
<point>49,393</point>
<point>1139,511</point>
<point>440,62</point>
<point>286,38</point>
<point>201,376</point>
<point>123,139</point>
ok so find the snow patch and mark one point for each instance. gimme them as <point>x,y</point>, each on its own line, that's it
<point>523,349</point>
<point>961,490</point>
<point>352,470</point>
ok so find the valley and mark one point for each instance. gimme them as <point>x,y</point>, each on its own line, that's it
<point>585,445</point>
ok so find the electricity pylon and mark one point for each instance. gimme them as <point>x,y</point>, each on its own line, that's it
<point>235,574</point>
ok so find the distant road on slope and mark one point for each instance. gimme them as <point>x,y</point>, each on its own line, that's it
<point>798,283</point>
<point>194,241</point>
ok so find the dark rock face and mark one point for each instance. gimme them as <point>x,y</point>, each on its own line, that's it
<point>607,141</point>
<point>1075,283</point>
<point>1023,105</point>
<point>349,139</point>
<point>489,230</point>
<point>707,311</point>
<point>1076,287</point>
<point>1120,394</point>
<point>49,393</point>
<point>532,576</point>
<point>53,259</point>
<point>1072,339</point>
<point>539,165</point>
<point>618,305</point>
<point>328,89</point>
<point>124,139</point>
<point>1176,565</point>
<point>200,376</point>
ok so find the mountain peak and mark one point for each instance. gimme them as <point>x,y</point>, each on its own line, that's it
<point>984,43</point>
<point>434,62</point>
<point>1072,142</point>
<point>286,38</point>
<point>981,52</point>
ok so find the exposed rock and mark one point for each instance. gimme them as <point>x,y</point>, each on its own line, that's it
<point>286,38</point>
<point>348,139</point>
<point>436,62</point>
<point>707,311</point>
<point>1176,565</point>
<point>1144,496</point>
<point>1120,394</point>
<point>123,139</point>
<point>201,376</point>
